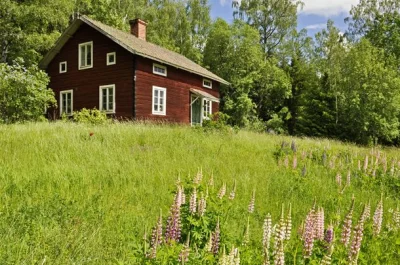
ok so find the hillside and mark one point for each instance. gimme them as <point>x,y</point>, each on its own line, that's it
<point>81,194</point>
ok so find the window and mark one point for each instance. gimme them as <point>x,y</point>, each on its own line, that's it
<point>159,69</point>
<point>107,98</point>
<point>207,105</point>
<point>63,67</point>
<point>207,83</point>
<point>111,58</point>
<point>159,100</point>
<point>66,104</point>
<point>86,55</point>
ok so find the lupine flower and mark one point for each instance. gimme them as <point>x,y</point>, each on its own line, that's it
<point>286,162</point>
<point>267,231</point>
<point>304,171</point>
<point>216,239</point>
<point>156,238</point>
<point>211,180</point>
<point>293,147</point>
<point>392,168</point>
<point>329,234</point>
<point>288,223</point>
<point>319,224</point>
<point>202,204</point>
<point>356,243</point>
<point>332,163</point>
<point>222,191</point>
<point>378,218</point>
<point>209,244</point>
<point>346,230</point>
<point>308,235</point>
<point>199,176</point>
<point>266,257</point>
<point>327,260</point>
<point>193,202</point>
<point>359,165</point>
<point>365,163</point>
<point>303,155</point>
<point>184,254</point>
<point>324,157</point>
<point>294,161</point>
<point>252,202</point>
<point>173,228</point>
<point>374,173</point>
<point>396,218</point>
<point>183,195</point>
<point>348,179</point>
<point>236,261</point>
<point>223,260</point>
<point>279,258</point>
<point>366,212</point>
<point>233,192</point>
<point>339,179</point>
<point>280,231</point>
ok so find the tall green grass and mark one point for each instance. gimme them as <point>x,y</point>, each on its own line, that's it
<point>68,197</point>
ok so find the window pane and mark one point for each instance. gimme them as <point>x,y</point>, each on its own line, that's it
<point>83,56</point>
<point>110,98</point>
<point>89,55</point>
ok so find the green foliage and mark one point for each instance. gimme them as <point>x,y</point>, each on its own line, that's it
<point>24,95</point>
<point>91,116</point>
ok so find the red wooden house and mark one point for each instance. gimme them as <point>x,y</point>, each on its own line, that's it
<point>93,65</point>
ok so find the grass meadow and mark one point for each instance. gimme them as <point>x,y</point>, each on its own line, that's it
<point>82,194</point>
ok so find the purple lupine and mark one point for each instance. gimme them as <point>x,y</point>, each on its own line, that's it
<point>202,204</point>
<point>346,230</point>
<point>308,235</point>
<point>222,191</point>
<point>267,232</point>
<point>329,234</point>
<point>288,223</point>
<point>216,237</point>
<point>293,147</point>
<point>378,218</point>
<point>173,228</point>
<point>193,202</point>
<point>156,238</point>
<point>356,243</point>
<point>252,202</point>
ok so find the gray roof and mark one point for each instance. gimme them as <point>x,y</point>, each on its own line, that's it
<point>133,45</point>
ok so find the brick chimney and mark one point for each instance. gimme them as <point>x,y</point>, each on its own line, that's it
<point>138,28</point>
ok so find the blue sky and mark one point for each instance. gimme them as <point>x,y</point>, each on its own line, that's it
<point>314,15</point>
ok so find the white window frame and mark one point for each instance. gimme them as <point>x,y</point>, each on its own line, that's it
<point>159,66</point>
<point>79,55</point>
<point>108,58</point>
<point>101,98</point>
<point>60,67</point>
<point>204,115</point>
<point>72,102</point>
<point>164,103</point>
<point>207,86</point>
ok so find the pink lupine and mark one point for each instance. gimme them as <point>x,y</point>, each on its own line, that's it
<point>286,162</point>
<point>319,224</point>
<point>183,195</point>
<point>198,178</point>
<point>378,218</point>
<point>215,239</point>
<point>202,204</point>
<point>356,243</point>
<point>252,202</point>
<point>294,161</point>
<point>347,225</point>
<point>193,202</point>
<point>222,191</point>
<point>267,231</point>
<point>308,235</point>
<point>156,238</point>
<point>173,228</point>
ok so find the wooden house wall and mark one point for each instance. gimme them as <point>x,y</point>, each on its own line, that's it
<point>85,83</point>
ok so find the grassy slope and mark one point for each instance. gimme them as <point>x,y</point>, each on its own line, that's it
<point>70,197</point>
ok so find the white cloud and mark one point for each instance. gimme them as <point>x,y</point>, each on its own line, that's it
<point>222,2</point>
<point>327,7</point>
<point>316,26</point>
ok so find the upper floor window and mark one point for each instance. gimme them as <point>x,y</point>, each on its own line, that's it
<point>111,58</point>
<point>159,69</point>
<point>159,100</point>
<point>63,67</point>
<point>207,83</point>
<point>86,55</point>
<point>66,102</point>
<point>207,105</point>
<point>107,98</point>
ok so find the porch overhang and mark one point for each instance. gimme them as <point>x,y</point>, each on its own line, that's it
<point>204,95</point>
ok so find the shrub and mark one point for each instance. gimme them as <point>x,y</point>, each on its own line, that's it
<point>217,121</point>
<point>92,116</point>
<point>24,95</point>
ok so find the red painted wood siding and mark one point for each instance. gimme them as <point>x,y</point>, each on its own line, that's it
<point>85,83</point>
<point>177,83</point>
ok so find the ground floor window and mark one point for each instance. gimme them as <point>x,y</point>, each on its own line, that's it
<point>107,98</point>
<point>159,100</point>
<point>207,105</point>
<point>66,102</point>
